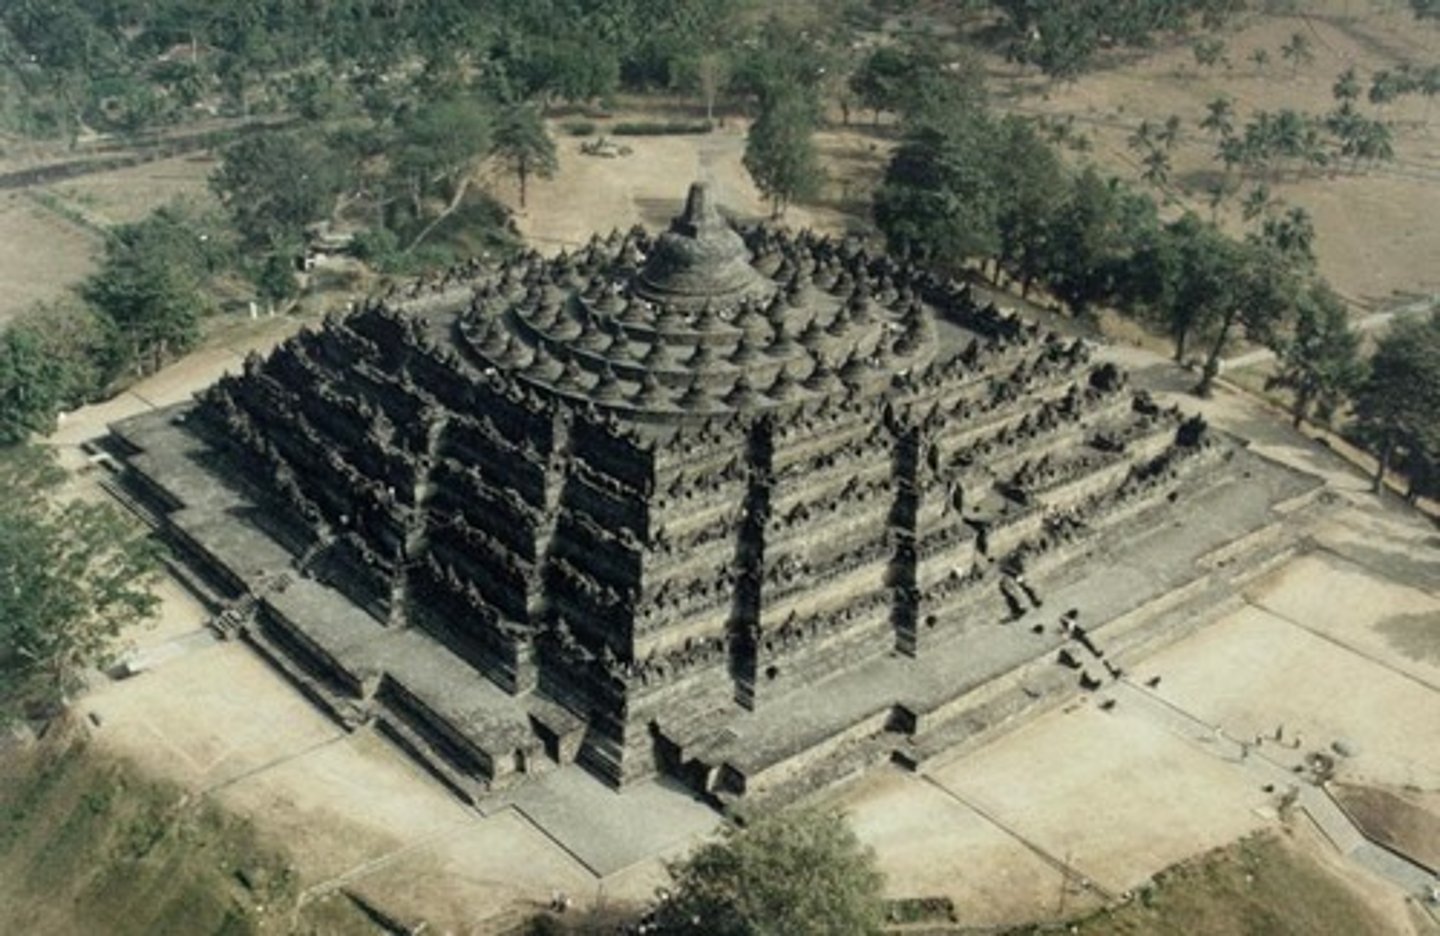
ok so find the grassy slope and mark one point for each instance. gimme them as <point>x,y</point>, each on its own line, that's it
<point>1259,885</point>
<point>89,846</point>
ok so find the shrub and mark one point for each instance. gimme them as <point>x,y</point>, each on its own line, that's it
<point>661,127</point>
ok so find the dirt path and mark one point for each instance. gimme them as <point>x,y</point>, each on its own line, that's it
<point>1375,321</point>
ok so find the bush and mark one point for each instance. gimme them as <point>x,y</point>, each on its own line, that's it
<point>579,128</point>
<point>920,910</point>
<point>374,245</point>
<point>661,127</point>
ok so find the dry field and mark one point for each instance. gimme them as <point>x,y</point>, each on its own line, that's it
<point>123,196</point>
<point>51,236</point>
<point>41,254</point>
<point>1376,236</point>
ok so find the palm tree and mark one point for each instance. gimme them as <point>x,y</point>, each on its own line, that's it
<point>1219,116</point>
<point>1232,153</point>
<point>1297,52</point>
<point>1288,133</point>
<point>1429,85</point>
<point>1257,202</point>
<point>1376,143</point>
<point>1347,86</point>
<point>1292,234</point>
<point>1218,192</point>
<point>1157,167</point>
<point>1386,86</point>
<point>1143,138</point>
<point>1169,134</point>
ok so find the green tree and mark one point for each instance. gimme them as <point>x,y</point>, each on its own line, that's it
<point>1347,86</point>
<point>1398,405</point>
<point>73,576</point>
<point>151,289</point>
<point>440,143</point>
<point>793,874</point>
<point>523,145</point>
<point>1255,290</point>
<point>1190,286</point>
<point>709,73</point>
<point>1319,358</point>
<point>1258,202</point>
<point>1033,179</point>
<point>33,385</point>
<point>1209,51</point>
<point>1086,240</point>
<point>1386,86</point>
<point>780,152</point>
<point>1142,138</point>
<point>921,82</point>
<point>938,203</point>
<point>1425,9</point>
<point>47,363</point>
<point>784,61</point>
<point>1291,235</point>
<point>1169,133</point>
<point>880,83</point>
<point>1297,51</point>
<point>274,185</point>
<point>1219,117</point>
<point>1156,170</point>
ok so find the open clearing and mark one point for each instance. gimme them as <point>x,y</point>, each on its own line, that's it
<point>41,254</point>
<point>648,186</point>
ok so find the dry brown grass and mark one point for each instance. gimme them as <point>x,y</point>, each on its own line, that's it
<point>1375,228</point>
<point>1266,884</point>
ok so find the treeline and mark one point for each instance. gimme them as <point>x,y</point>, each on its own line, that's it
<point>128,65</point>
<point>968,188</point>
<point>1063,37</point>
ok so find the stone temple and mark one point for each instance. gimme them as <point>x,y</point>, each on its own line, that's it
<point>749,510</point>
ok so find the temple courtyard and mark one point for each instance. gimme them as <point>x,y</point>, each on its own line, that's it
<point>1335,648</point>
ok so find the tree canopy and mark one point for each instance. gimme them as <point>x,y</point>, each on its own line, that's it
<point>523,144</point>
<point>275,184</point>
<point>1319,356</point>
<point>1063,37</point>
<point>938,202</point>
<point>1398,405</point>
<point>73,575</point>
<point>780,152</point>
<point>790,874</point>
<point>150,289</point>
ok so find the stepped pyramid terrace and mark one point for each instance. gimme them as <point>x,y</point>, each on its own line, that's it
<point>748,509</point>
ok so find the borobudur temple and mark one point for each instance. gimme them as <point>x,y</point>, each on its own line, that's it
<point>749,509</point>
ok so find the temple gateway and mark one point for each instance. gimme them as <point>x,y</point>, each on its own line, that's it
<point>749,509</point>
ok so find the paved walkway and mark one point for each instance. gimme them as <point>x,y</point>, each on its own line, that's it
<point>1273,764</point>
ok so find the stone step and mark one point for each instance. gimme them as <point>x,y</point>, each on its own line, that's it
<point>469,788</point>
<point>111,484</point>
<point>347,711</point>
